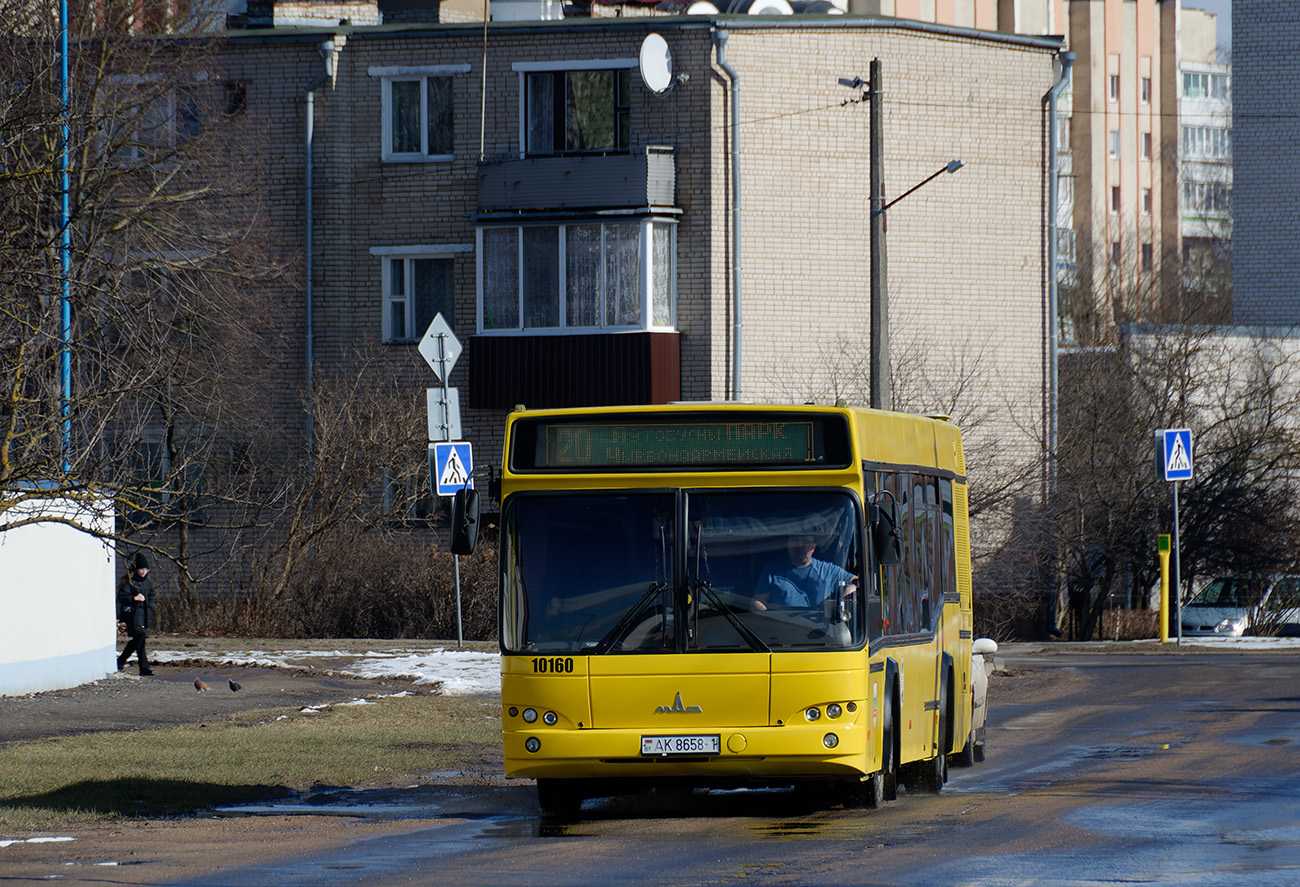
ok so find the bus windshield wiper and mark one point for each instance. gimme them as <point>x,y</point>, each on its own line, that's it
<point>629,618</point>
<point>746,633</point>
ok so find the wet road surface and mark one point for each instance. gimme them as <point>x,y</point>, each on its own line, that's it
<point>1103,769</point>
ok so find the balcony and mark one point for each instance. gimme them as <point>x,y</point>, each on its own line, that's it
<point>643,178</point>
<point>603,369</point>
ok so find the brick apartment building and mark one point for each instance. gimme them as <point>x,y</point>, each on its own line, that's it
<point>582,250</point>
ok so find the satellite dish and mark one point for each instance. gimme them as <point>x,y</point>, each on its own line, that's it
<point>656,63</point>
<point>701,7</point>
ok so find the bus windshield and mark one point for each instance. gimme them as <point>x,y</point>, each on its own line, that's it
<point>682,572</point>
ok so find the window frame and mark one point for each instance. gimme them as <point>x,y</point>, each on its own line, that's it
<point>387,256</point>
<point>647,225</point>
<point>522,71</point>
<point>389,75</point>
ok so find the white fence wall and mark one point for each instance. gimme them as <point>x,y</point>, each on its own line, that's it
<point>59,626</point>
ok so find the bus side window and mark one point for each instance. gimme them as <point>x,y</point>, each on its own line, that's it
<point>896,577</point>
<point>947,540</point>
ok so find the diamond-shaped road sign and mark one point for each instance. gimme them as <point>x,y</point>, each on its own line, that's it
<point>451,467</point>
<point>440,347</point>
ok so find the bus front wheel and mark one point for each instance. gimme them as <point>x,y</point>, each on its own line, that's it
<point>559,797</point>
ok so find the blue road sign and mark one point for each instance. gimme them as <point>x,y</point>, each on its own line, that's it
<point>451,467</point>
<point>1176,453</point>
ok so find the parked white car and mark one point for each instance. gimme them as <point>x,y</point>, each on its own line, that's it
<point>1279,614</point>
<point>1226,607</point>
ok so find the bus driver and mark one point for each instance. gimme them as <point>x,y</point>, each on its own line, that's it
<point>800,580</point>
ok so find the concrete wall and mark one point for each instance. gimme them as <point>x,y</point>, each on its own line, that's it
<point>59,627</point>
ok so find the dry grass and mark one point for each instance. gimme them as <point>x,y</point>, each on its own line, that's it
<point>186,769</point>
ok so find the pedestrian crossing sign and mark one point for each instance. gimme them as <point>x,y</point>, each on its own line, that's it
<point>451,467</point>
<point>1174,446</point>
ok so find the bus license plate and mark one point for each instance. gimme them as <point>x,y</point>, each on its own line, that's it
<point>681,745</point>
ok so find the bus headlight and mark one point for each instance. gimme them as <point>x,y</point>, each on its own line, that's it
<point>830,740</point>
<point>550,718</point>
<point>530,715</point>
<point>533,744</point>
<point>813,714</point>
<point>833,710</point>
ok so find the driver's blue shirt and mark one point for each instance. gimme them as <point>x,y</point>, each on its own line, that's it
<point>791,586</point>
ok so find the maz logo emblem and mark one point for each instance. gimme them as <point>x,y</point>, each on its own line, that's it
<point>678,708</point>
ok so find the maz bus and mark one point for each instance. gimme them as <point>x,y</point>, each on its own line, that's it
<point>719,595</point>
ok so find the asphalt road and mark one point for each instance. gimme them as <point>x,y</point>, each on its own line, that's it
<point>1174,768</point>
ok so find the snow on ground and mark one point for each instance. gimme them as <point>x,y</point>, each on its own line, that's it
<point>461,672</point>
<point>475,673</point>
<point>1242,643</point>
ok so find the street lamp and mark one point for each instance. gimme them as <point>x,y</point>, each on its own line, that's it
<point>881,396</point>
<point>952,166</point>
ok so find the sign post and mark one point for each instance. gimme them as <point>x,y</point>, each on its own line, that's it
<point>1174,455</point>
<point>451,466</point>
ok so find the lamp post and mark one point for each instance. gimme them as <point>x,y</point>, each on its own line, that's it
<point>882,397</point>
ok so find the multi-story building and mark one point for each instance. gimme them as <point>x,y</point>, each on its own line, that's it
<point>576,227</point>
<point>1266,197</point>
<point>1205,118</point>
<point>1121,246</point>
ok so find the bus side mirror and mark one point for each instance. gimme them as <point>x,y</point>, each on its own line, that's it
<point>464,521</point>
<point>884,534</point>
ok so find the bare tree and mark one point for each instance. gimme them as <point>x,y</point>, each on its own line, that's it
<point>1238,396</point>
<point>167,255</point>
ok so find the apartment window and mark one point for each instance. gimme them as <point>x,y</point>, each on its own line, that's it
<point>1114,87</point>
<point>578,111</point>
<point>415,289</point>
<point>236,98</point>
<point>1114,199</point>
<point>418,111</point>
<point>581,276</point>
<point>1198,85</point>
<point>1146,201</point>
<point>144,119</point>
<point>1146,90</point>
<point>418,120</point>
<point>1114,143</point>
<point>1205,142</point>
<point>1148,257</point>
<point>1114,252</point>
<point>1146,145</point>
<point>1207,197</point>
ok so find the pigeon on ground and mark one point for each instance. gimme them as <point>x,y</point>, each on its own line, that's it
<point>234,688</point>
<point>199,685</point>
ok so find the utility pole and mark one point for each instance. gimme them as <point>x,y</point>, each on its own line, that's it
<point>881,396</point>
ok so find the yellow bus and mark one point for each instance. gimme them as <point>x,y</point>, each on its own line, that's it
<point>719,595</point>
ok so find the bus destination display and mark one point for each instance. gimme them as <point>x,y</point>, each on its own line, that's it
<point>662,443</point>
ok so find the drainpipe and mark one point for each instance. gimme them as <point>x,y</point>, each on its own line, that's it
<point>1053,333</point>
<point>327,52</point>
<point>720,41</point>
<point>1067,61</point>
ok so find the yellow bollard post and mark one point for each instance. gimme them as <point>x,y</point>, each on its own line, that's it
<point>1162,547</point>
